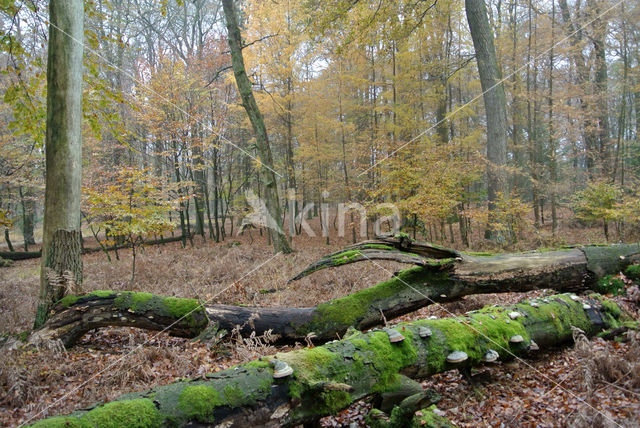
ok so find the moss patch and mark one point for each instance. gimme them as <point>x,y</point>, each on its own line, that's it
<point>179,307</point>
<point>346,311</point>
<point>233,395</point>
<point>102,293</point>
<point>199,402</point>
<point>68,300</point>
<point>140,413</point>
<point>378,247</point>
<point>345,257</point>
<point>189,311</point>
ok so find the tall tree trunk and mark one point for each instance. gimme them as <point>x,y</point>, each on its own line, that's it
<point>280,243</point>
<point>176,169</point>
<point>61,267</point>
<point>531,126</point>
<point>495,108</point>
<point>199,178</point>
<point>553,164</point>
<point>28,216</point>
<point>582,79</point>
<point>601,77</point>
<point>7,239</point>
<point>517,133</point>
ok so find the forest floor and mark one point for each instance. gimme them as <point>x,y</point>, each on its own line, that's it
<point>594,383</point>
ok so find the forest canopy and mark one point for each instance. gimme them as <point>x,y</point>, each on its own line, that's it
<point>364,102</point>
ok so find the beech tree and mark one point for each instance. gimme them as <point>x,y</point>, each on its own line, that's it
<point>267,173</point>
<point>61,266</point>
<point>495,106</point>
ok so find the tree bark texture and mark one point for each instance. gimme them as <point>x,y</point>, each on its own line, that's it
<point>495,106</point>
<point>564,270</point>
<point>328,378</point>
<point>267,174</point>
<point>61,230</point>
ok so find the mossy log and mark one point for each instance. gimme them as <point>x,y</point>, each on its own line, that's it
<point>314,382</point>
<point>575,269</point>
<point>399,248</point>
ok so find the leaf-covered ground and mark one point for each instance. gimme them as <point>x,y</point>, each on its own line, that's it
<point>594,383</point>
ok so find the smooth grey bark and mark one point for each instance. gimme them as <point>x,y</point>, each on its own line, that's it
<point>267,174</point>
<point>495,107</point>
<point>61,267</point>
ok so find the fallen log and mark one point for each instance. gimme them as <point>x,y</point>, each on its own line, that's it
<point>26,255</point>
<point>303,385</point>
<point>19,255</point>
<point>574,269</point>
<point>398,248</point>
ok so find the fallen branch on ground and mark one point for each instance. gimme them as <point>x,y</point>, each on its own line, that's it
<point>574,269</point>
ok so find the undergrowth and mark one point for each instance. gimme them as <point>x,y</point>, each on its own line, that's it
<point>599,366</point>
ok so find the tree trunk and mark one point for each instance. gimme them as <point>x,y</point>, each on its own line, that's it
<point>61,267</point>
<point>280,243</point>
<point>28,216</point>
<point>315,382</point>
<point>495,106</point>
<point>199,178</point>
<point>7,239</point>
<point>432,281</point>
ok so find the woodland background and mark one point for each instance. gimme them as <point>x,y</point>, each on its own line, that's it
<point>364,102</point>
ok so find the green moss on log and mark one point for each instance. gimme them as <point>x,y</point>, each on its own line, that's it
<point>328,378</point>
<point>188,311</point>
<point>140,413</point>
<point>378,247</point>
<point>198,402</point>
<point>137,413</point>
<point>345,257</point>
<point>348,310</point>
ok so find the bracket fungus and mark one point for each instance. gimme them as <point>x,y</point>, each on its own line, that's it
<point>281,369</point>
<point>394,335</point>
<point>516,338</point>
<point>424,332</point>
<point>457,357</point>
<point>490,356</point>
